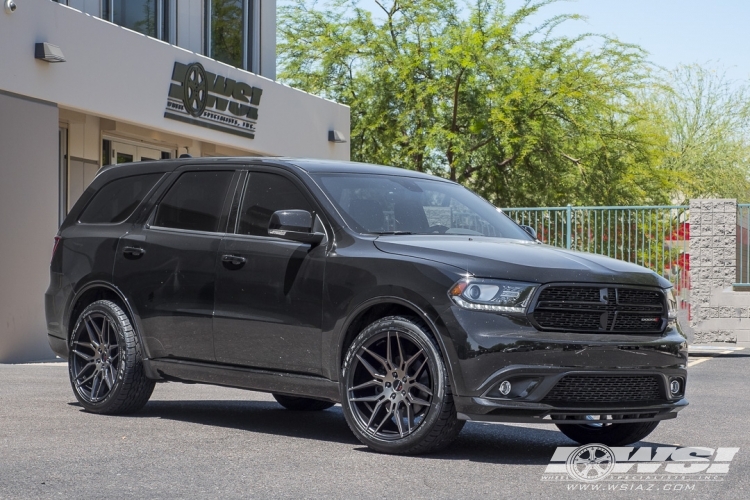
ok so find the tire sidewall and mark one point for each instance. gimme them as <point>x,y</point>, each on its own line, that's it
<point>435,363</point>
<point>101,307</point>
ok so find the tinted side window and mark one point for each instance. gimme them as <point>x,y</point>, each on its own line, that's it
<point>118,199</point>
<point>194,202</point>
<point>264,195</point>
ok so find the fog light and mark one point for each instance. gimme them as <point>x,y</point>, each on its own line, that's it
<point>674,387</point>
<point>504,388</point>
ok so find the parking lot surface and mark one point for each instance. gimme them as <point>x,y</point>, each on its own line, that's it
<point>199,441</point>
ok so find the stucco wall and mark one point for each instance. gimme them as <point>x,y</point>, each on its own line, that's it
<point>118,74</point>
<point>719,313</point>
<point>28,223</point>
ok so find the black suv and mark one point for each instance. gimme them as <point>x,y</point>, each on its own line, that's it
<point>407,298</point>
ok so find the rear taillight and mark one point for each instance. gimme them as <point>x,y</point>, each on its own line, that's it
<point>54,247</point>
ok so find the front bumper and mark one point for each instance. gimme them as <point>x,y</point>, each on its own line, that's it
<point>533,407</point>
<point>492,348</point>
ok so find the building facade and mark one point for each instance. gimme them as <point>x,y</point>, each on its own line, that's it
<point>86,83</point>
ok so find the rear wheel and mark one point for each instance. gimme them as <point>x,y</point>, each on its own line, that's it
<point>602,430</point>
<point>396,394</point>
<point>105,361</point>
<point>302,404</point>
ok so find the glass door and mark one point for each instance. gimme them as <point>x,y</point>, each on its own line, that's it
<point>126,153</point>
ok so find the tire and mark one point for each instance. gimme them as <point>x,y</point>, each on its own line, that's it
<point>608,434</point>
<point>395,390</point>
<point>296,403</point>
<point>108,380</point>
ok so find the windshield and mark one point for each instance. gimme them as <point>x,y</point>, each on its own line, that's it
<point>383,204</point>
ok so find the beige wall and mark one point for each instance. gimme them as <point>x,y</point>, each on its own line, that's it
<point>119,75</point>
<point>28,223</point>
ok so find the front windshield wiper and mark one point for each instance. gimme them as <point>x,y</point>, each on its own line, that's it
<point>381,233</point>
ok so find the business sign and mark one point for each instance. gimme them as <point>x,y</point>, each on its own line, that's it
<point>212,101</point>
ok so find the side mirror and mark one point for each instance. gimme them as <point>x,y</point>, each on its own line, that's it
<point>294,225</point>
<point>530,230</point>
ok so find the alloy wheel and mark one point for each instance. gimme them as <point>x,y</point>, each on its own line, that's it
<point>391,386</point>
<point>95,359</point>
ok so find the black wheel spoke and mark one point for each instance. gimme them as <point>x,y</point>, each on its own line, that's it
<point>412,359</point>
<point>421,387</point>
<point>95,385</point>
<point>378,357</point>
<point>400,352</point>
<point>90,333</point>
<point>370,383</point>
<point>373,399</point>
<point>419,370</point>
<point>86,357</point>
<point>374,413</point>
<point>409,416</point>
<point>389,353</point>
<point>399,422</point>
<point>418,401</point>
<point>369,368</point>
<point>97,330</point>
<point>388,415</point>
<point>83,373</point>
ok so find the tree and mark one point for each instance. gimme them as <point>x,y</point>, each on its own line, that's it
<point>484,97</point>
<point>706,122</point>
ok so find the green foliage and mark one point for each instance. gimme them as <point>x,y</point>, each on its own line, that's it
<point>706,122</point>
<point>482,96</point>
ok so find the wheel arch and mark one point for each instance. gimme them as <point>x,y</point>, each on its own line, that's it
<point>377,308</point>
<point>99,290</point>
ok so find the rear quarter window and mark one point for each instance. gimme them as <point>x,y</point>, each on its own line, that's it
<point>117,200</point>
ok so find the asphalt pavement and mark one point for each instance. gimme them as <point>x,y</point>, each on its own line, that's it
<point>199,441</point>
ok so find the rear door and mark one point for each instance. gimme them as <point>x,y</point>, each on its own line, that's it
<point>167,267</point>
<point>269,290</point>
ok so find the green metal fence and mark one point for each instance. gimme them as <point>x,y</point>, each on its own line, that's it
<point>743,244</point>
<point>652,236</point>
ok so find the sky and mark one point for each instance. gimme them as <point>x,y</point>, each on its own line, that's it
<point>713,33</point>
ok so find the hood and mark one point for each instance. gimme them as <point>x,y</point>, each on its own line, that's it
<point>518,260</point>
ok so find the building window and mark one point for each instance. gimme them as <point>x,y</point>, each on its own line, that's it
<point>150,17</point>
<point>137,15</point>
<point>230,32</point>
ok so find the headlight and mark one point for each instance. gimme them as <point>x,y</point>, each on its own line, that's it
<point>492,295</point>
<point>671,305</point>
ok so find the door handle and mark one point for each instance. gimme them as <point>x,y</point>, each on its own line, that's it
<point>235,260</point>
<point>133,252</point>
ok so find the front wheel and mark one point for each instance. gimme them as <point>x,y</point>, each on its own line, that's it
<point>105,363</point>
<point>601,430</point>
<point>395,391</point>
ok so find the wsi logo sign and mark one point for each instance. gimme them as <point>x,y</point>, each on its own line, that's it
<point>597,462</point>
<point>199,97</point>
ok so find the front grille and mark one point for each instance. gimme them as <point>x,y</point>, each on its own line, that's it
<point>605,389</point>
<point>589,309</point>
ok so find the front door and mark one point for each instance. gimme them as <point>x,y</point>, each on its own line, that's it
<point>268,290</point>
<point>167,268</point>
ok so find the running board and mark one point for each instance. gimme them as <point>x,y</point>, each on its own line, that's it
<point>242,378</point>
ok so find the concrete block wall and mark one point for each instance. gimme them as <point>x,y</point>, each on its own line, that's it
<point>719,314</point>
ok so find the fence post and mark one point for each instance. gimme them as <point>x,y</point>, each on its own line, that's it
<point>570,209</point>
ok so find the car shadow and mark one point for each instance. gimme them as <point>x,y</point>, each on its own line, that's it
<point>478,442</point>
